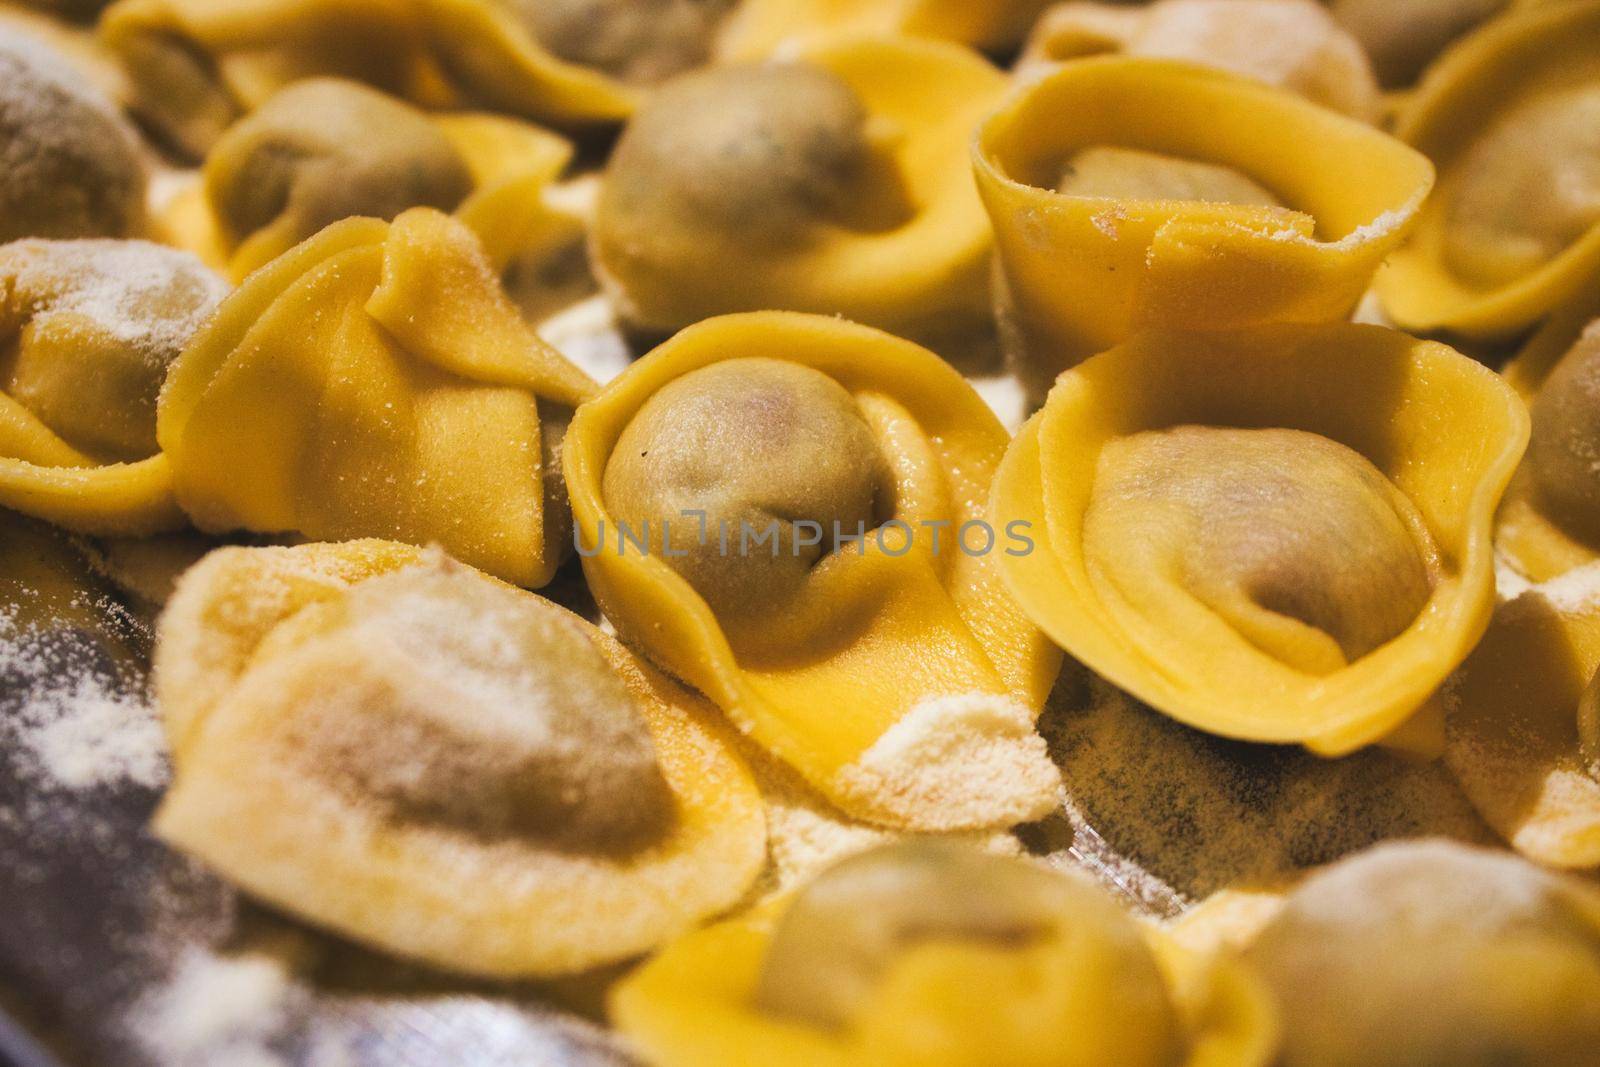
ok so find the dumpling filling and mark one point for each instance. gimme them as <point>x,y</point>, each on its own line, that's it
<point>1528,188</point>
<point>721,454</point>
<point>1133,174</point>
<point>1434,955</point>
<point>639,41</point>
<point>323,150</point>
<point>69,165</point>
<point>761,152</point>
<point>463,703</point>
<point>1564,449</point>
<point>1298,542</point>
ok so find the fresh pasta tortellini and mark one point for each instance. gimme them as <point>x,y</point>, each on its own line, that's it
<point>771,506</point>
<point>376,381</point>
<point>1293,210</point>
<point>1523,733</point>
<point>1550,521</point>
<point>1434,955</point>
<point>1511,117</point>
<point>1279,534</point>
<point>70,166</point>
<point>638,42</point>
<point>932,953</point>
<point>408,752</point>
<point>1294,44</point>
<point>1403,36</point>
<point>760,28</point>
<point>326,149</point>
<point>814,184</point>
<point>88,330</point>
<point>196,66</point>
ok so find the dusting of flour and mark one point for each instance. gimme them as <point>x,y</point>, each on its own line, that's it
<point>954,763</point>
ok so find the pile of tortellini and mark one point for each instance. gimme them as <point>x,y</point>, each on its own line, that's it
<point>1290,312</point>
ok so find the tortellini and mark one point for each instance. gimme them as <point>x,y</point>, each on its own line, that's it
<point>1511,117</point>
<point>197,66</point>
<point>814,184</point>
<point>786,511</point>
<point>1434,955</point>
<point>326,149</point>
<point>376,381</point>
<point>69,165</point>
<point>760,28</point>
<point>932,953</point>
<point>1521,733</point>
<point>1083,269</point>
<point>1294,44</point>
<point>1403,36</point>
<point>1279,534</point>
<point>320,151</point>
<point>88,330</point>
<point>639,42</point>
<point>417,756</point>
<point>1550,521</point>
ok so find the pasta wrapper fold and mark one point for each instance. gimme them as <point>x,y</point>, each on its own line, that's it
<point>893,672</point>
<point>196,66</point>
<point>1083,987</point>
<point>375,380</point>
<point>917,260</point>
<point>255,641</point>
<point>1510,166</point>
<point>1083,273</point>
<point>1442,436</point>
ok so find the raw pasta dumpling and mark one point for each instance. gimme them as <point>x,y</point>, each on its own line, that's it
<point>771,505</point>
<point>1550,521</point>
<point>377,381</point>
<point>1294,44</point>
<point>932,953</point>
<point>326,149</point>
<point>1511,117</point>
<point>88,331</point>
<point>1432,954</point>
<point>1523,732</point>
<point>196,66</point>
<point>819,184</point>
<point>424,759</point>
<point>1130,193</point>
<point>1279,534</point>
<point>70,166</point>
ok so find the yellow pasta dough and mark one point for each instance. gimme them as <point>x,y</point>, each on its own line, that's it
<point>326,149</point>
<point>1550,520</point>
<point>1279,534</point>
<point>1520,733</point>
<point>70,166</point>
<point>1083,271</point>
<point>834,182</point>
<point>1511,117</point>
<point>376,381</point>
<point>88,330</point>
<point>1431,954</point>
<point>759,28</point>
<point>197,66</point>
<point>796,490</point>
<point>417,756</point>
<point>925,953</point>
<point>1294,44</point>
